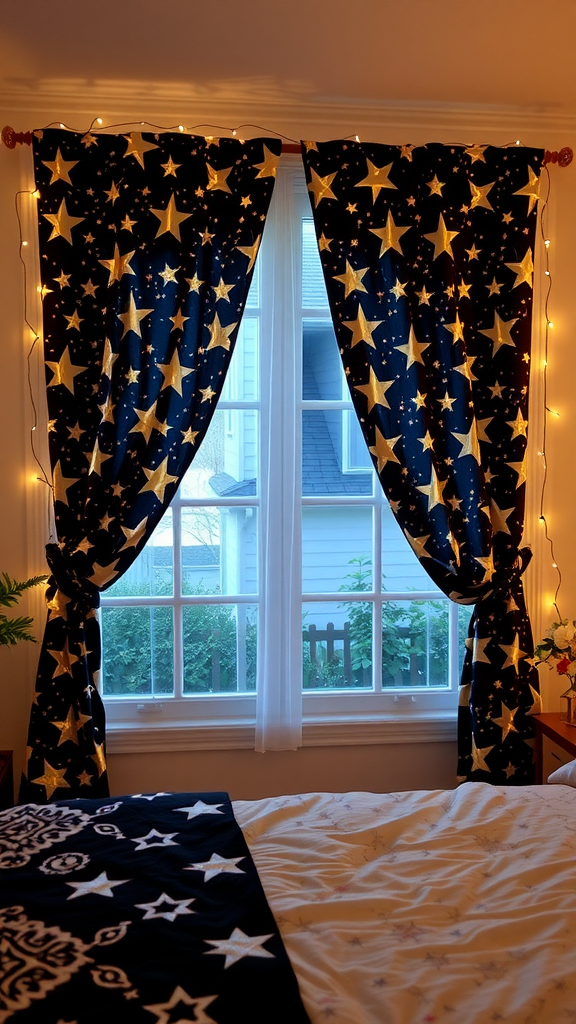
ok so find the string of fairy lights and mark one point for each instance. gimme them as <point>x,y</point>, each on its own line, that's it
<point>97,125</point>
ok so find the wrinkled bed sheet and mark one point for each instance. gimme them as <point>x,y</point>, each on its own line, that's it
<point>441,907</point>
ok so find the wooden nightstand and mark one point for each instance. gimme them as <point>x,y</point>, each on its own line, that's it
<point>555,744</point>
<point>6,780</point>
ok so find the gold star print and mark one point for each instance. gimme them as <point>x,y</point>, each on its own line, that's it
<point>100,761</point>
<point>219,335</point>
<point>89,289</point>
<point>473,253</point>
<point>476,153</point>
<point>217,179</point>
<point>465,369</point>
<point>118,265</point>
<point>351,279</point>
<point>507,218</point>
<point>532,190</point>
<point>399,289</point>
<point>103,573</point>
<point>523,270</point>
<point>107,411</point>
<point>245,201</point>
<point>420,400</point>
<point>426,441</point>
<point>446,402</point>
<point>64,660</point>
<point>132,375</point>
<point>487,564</point>
<point>324,243</point>
<point>189,436</point>
<point>62,223</point>
<point>376,179</point>
<point>194,283</point>
<point>63,280</point>
<point>499,333</point>
<point>60,168</point>
<point>456,329</point>
<point>96,458</point>
<point>170,219</point>
<point>320,187</point>
<point>382,450</point>
<point>251,251</point>
<point>442,239</point>
<point>149,422</point>
<point>482,424</point>
<point>64,371</point>
<point>158,480</point>
<point>498,517</point>
<point>480,195</point>
<point>494,288</point>
<point>455,546</point>
<point>207,394</point>
<point>406,152</point>
<point>170,167</point>
<point>169,274</point>
<point>506,720</point>
<point>513,654</point>
<point>57,606</point>
<point>137,147</point>
<point>519,425</point>
<point>74,321</point>
<point>435,186</point>
<point>52,779</point>
<point>390,235</point>
<point>464,696</point>
<point>413,350</point>
<point>162,1011</point>
<point>221,290</point>
<point>479,645</point>
<point>84,545</point>
<point>178,321</point>
<point>521,469</point>
<point>70,726</point>
<point>112,193</point>
<point>267,169</point>
<point>62,483</point>
<point>127,224</point>
<point>362,329</point>
<point>133,537</point>
<point>84,779</point>
<point>174,373</point>
<point>479,755</point>
<point>375,391</point>
<point>434,490</point>
<point>469,442</point>
<point>418,544</point>
<point>424,297</point>
<point>131,317</point>
<point>464,289</point>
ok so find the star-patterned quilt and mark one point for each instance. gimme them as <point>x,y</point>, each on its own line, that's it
<point>144,909</point>
<point>442,907</point>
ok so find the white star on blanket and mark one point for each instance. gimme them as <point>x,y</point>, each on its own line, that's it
<point>216,865</point>
<point>238,946</point>
<point>178,907</point>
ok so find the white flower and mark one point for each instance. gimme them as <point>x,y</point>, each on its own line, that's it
<point>563,635</point>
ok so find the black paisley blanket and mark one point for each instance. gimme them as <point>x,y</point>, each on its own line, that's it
<point>139,910</point>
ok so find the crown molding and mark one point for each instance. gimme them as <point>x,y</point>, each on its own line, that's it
<point>261,105</point>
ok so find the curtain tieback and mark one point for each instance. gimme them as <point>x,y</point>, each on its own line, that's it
<point>505,578</point>
<point>64,581</point>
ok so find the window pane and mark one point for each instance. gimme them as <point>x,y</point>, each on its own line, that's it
<point>322,457</point>
<point>227,462</point>
<point>253,300</point>
<point>337,645</point>
<point>241,382</point>
<point>336,549</point>
<point>151,574</point>
<point>137,651</point>
<point>322,372</point>
<point>401,570</point>
<point>415,643</point>
<point>219,648</point>
<point>313,287</point>
<point>464,616</point>
<point>219,549</point>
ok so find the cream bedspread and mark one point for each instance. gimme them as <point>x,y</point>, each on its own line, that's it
<point>424,907</point>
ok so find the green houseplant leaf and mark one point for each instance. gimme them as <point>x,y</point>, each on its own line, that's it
<point>12,630</point>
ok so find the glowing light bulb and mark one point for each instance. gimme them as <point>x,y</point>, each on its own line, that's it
<point>357,137</point>
<point>547,273</point>
<point>554,565</point>
<point>35,194</point>
<point>62,125</point>
<point>550,324</point>
<point>98,120</point>
<point>517,142</point>
<point>547,243</point>
<point>234,132</point>
<point>180,127</point>
<point>24,243</point>
<point>541,520</point>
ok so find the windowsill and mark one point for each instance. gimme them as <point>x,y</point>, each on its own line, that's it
<point>423,727</point>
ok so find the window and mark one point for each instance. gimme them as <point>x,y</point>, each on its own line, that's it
<point>283,468</point>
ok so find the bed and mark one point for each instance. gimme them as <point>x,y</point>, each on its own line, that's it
<point>405,908</point>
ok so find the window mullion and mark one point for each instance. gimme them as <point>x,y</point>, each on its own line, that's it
<point>177,571</point>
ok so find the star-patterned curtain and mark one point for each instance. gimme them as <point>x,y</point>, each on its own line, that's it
<point>147,249</point>
<point>427,256</point>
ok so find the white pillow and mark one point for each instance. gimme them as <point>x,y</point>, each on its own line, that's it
<point>564,776</point>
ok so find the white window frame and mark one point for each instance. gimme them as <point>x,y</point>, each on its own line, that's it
<point>228,720</point>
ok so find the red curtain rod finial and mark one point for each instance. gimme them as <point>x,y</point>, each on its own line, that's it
<point>562,158</point>
<point>10,138</point>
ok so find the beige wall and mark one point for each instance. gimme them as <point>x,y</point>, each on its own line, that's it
<point>420,72</point>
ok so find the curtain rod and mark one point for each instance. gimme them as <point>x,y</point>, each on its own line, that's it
<point>11,139</point>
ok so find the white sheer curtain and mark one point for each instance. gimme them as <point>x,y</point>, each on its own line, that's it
<point>279,695</point>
